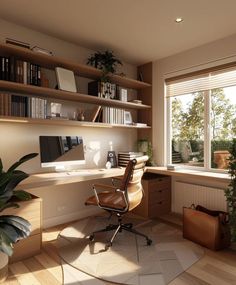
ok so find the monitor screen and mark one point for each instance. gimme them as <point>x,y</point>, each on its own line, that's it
<point>61,151</point>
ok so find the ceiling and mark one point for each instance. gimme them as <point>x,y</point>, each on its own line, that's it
<point>137,31</point>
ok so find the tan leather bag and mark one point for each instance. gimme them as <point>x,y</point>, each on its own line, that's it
<point>207,228</point>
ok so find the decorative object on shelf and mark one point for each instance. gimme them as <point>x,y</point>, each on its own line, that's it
<point>100,89</point>
<point>65,79</point>
<point>12,228</point>
<point>127,118</point>
<point>41,50</point>
<point>145,146</point>
<point>230,192</point>
<point>80,115</point>
<point>111,157</point>
<point>17,43</point>
<point>55,109</point>
<point>105,61</point>
<point>122,93</point>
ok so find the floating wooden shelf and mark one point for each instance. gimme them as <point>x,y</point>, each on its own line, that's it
<point>65,95</point>
<point>82,70</point>
<point>61,122</point>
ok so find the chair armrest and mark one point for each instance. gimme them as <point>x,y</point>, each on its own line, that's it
<point>104,186</point>
<point>109,187</point>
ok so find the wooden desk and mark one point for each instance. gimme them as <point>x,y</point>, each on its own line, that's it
<point>58,178</point>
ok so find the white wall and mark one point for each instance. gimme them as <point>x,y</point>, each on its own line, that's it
<point>212,54</point>
<point>62,203</point>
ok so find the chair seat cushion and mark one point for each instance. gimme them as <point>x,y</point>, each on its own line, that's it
<point>112,200</point>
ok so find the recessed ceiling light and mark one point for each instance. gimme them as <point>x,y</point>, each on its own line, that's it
<point>179,20</point>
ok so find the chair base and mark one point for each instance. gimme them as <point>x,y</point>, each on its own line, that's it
<point>118,228</point>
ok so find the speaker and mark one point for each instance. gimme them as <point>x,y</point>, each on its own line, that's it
<point>111,157</point>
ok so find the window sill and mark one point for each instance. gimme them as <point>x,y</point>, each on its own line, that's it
<point>190,173</point>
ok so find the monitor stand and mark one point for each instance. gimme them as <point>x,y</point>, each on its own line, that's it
<point>60,168</point>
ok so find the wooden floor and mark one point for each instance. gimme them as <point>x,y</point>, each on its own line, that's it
<point>218,268</point>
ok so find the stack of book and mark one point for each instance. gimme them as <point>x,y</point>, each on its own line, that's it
<point>20,71</point>
<point>22,106</point>
<point>125,156</point>
<point>112,115</point>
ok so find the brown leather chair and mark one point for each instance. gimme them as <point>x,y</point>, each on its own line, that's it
<point>122,199</point>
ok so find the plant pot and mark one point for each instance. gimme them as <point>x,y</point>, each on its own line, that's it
<point>3,266</point>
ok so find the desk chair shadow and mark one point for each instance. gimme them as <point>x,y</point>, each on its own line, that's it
<point>122,199</point>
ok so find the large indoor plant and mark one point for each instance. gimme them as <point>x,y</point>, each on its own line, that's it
<point>12,228</point>
<point>230,192</point>
<point>106,61</point>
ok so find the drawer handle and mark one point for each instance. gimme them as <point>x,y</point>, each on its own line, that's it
<point>160,203</point>
<point>160,179</point>
<point>160,191</point>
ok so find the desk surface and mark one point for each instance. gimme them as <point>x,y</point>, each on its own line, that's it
<point>191,173</point>
<point>58,178</point>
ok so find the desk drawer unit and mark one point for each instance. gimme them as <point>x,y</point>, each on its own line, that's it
<point>31,211</point>
<point>157,196</point>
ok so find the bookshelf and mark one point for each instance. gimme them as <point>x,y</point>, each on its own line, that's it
<point>50,62</point>
<point>69,123</point>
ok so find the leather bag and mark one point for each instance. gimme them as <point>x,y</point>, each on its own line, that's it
<point>205,227</point>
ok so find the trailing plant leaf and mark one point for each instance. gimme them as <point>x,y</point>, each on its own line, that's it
<point>5,243</point>
<point>1,166</point>
<point>22,160</point>
<point>17,222</point>
<point>22,195</point>
<point>4,206</point>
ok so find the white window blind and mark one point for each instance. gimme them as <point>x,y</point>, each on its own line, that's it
<point>208,81</point>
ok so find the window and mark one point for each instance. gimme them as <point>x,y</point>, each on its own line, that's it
<point>202,118</point>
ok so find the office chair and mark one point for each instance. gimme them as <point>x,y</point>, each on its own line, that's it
<point>122,199</point>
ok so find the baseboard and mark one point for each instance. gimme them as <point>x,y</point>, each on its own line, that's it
<point>50,222</point>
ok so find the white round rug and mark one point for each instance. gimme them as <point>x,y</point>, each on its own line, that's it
<point>129,260</point>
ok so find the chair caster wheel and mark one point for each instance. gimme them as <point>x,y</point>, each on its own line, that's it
<point>91,238</point>
<point>149,241</point>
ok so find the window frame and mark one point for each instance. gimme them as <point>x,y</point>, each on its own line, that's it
<point>207,130</point>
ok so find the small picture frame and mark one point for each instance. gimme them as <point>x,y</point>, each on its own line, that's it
<point>65,79</point>
<point>127,118</point>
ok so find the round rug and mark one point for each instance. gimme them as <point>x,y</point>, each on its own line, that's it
<point>129,260</point>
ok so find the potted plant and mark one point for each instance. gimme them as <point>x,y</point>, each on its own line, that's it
<point>230,192</point>
<point>12,228</point>
<point>106,61</point>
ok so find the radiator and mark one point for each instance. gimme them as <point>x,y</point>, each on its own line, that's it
<point>185,194</point>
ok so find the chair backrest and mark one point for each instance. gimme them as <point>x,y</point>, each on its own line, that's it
<point>131,182</point>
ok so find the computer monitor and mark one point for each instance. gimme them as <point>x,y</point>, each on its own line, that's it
<point>61,152</point>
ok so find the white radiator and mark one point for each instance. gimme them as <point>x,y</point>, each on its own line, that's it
<point>185,194</point>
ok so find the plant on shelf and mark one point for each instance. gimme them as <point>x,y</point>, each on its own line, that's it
<point>12,228</point>
<point>106,61</point>
<point>230,192</point>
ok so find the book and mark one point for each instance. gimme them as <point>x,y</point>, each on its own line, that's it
<point>95,113</point>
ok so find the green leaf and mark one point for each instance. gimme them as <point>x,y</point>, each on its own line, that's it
<point>22,160</point>
<point>1,166</point>
<point>4,205</point>
<point>17,222</point>
<point>22,195</point>
<point>5,243</point>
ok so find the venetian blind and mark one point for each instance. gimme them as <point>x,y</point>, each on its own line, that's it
<point>202,82</point>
